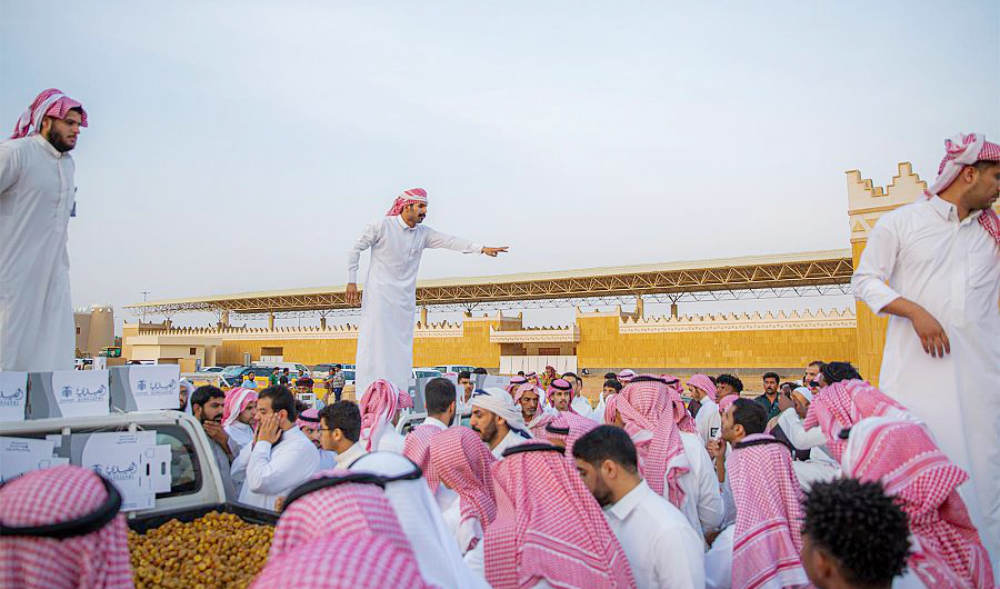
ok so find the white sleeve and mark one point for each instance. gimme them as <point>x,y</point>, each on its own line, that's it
<point>367,239</point>
<point>437,240</point>
<point>475,560</point>
<point>678,560</point>
<point>238,469</point>
<point>875,267</point>
<point>269,475</point>
<point>719,561</point>
<point>710,510</point>
<point>800,438</point>
<point>10,167</point>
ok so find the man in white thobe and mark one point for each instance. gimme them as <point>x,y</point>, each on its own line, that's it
<point>497,420</point>
<point>280,458</point>
<point>36,201</point>
<point>385,338</point>
<point>661,546</point>
<point>941,259</point>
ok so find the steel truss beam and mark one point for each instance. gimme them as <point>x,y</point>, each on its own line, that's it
<point>765,280</point>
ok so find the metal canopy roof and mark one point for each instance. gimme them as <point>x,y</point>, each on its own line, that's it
<point>766,273</point>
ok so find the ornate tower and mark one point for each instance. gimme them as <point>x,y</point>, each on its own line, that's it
<point>866,203</point>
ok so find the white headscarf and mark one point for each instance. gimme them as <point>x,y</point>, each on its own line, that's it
<point>498,401</point>
<point>437,553</point>
<point>804,392</point>
<point>186,384</point>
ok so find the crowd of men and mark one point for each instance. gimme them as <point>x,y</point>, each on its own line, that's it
<point>831,483</point>
<point>828,482</point>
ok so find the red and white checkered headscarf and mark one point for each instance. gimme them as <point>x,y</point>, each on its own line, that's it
<point>845,403</point>
<point>626,375</point>
<point>417,447</point>
<point>515,382</point>
<point>408,197</point>
<point>577,425</point>
<point>767,539</point>
<point>308,419</point>
<point>903,456</point>
<point>704,383</point>
<point>237,400</point>
<point>727,402</point>
<point>549,527</point>
<point>560,384</point>
<point>461,461</point>
<point>49,103</point>
<point>344,509</point>
<point>965,150</point>
<point>541,417</point>
<point>646,405</point>
<point>43,497</point>
<point>338,561</point>
<point>378,406</point>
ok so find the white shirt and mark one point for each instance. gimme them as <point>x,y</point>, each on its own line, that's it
<point>327,460</point>
<point>435,422</point>
<point>660,545</point>
<point>951,268</point>
<point>719,561</point>
<point>708,421</point>
<point>240,434</point>
<point>385,337</point>
<point>37,194</point>
<point>702,503</point>
<point>791,424</point>
<point>273,471</point>
<point>451,513</point>
<point>249,384</point>
<point>511,439</point>
<point>344,459</point>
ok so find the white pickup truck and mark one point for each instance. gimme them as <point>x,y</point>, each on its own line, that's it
<point>196,482</point>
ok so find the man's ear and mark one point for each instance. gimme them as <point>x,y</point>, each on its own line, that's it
<point>609,469</point>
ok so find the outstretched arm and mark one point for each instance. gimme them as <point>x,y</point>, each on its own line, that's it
<point>436,239</point>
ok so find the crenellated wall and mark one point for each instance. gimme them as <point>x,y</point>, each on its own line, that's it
<point>723,341</point>
<point>866,204</point>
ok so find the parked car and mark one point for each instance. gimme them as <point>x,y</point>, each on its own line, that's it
<point>211,369</point>
<point>233,375</point>
<point>453,368</point>
<point>426,373</point>
<point>408,421</point>
<point>294,368</point>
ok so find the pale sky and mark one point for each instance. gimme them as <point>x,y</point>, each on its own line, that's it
<point>239,146</point>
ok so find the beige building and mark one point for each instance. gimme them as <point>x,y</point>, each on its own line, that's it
<point>95,330</point>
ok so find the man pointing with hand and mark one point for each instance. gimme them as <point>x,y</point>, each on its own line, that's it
<point>385,339</point>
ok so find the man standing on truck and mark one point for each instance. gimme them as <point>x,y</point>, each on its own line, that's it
<point>397,242</point>
<point>335,384</point>
<point>37,198</point>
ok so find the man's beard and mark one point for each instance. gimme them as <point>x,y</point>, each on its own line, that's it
<point>58,141</point>
<point>217,419</point>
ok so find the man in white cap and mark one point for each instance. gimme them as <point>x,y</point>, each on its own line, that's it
<point>934,267</point>
<point>385,337</point>
<point>37,198</point>
<point>497,420</point>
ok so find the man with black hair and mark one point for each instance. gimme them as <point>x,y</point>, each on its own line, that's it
<point>281,457</point>
<point>766,495</point>
<point>854,536</point>
<point>340,430</point>
<point>769,400</point>
<point>439,399</point>
<point>726,385</point>
<point>661,546</point>
<point>206,406</point>
<point>479,371</point>
<point>465,386</point>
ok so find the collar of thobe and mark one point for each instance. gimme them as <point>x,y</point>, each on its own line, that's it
<point>436,422</point>
<point>630,501</point>
<point>948,211</point>
<point>402,223</point>
<point>48,147</point>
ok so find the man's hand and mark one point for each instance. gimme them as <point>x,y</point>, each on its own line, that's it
<point>715,448</point>
<point>784,402</point>
<point>269,430</point>
<point>931,334</point>
<point>215,431</point>
<point>493,251</point>
<point>352,295</point>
